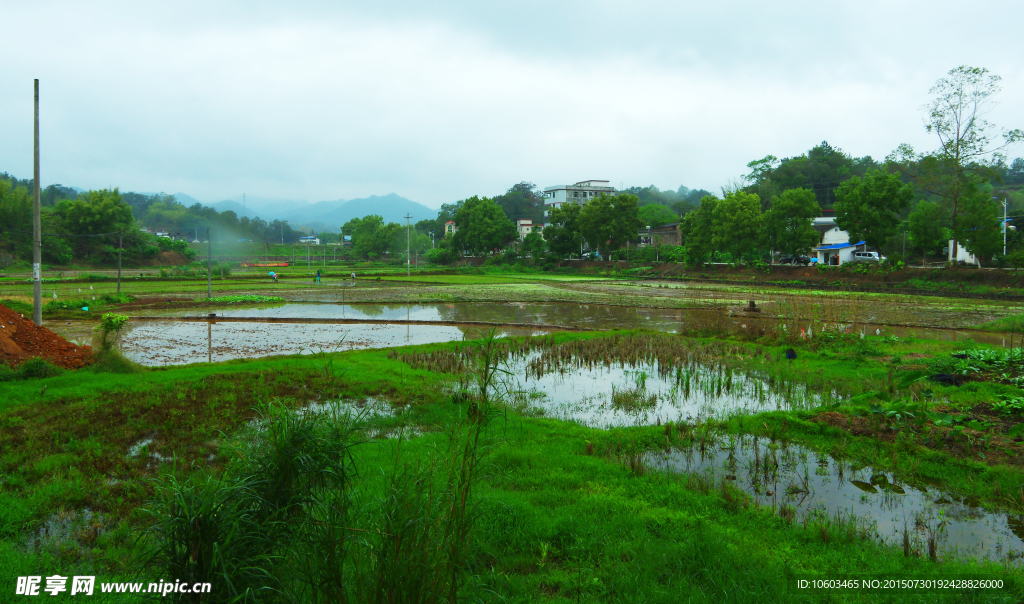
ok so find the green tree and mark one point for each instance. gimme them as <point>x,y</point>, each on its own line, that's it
<point>979,229</point>
<point>697,228</point>
<point>928,226</point>
<point>483,226</point>
<point>656,215</point>
<point>869,208</point>
<point>968,147</point>
<point>533,245</point>
<point>370,236</point>
<point>522,201</point>
<point>563,233</point>
<point>821,169</point>
<point>607,222</point>
<point>98,214</point>
<point>736,223</point>
<point>788,223</point>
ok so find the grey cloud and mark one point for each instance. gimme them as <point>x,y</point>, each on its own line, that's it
<point>439,101</point>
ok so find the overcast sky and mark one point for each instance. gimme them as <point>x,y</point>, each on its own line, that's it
<point>437,101</point>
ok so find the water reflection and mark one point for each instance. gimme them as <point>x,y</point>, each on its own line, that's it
<point>615,394</point>
<point>816,487</point>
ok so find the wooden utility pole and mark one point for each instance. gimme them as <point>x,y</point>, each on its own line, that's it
<point>120,238</point>
<point>209,264</point>
<point>408,259</point>
<point>37,227</point>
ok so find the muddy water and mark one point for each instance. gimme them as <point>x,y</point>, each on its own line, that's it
<point>580,316</point>
<point>176,342</point>
<point>172,342</point>
<point>820,487</point>
<point>614,395</point>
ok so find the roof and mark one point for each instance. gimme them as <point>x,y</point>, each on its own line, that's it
<point>672,225</point>
<point>838,246</point>
<point>823,227</point>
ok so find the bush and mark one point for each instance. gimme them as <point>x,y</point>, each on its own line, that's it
<point>37,368</point>
<point>111,323</point>
<point>169,245</point>
<point>439,256</point>
<point>66,304</point>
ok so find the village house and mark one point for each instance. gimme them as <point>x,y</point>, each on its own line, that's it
<point>525,226</point>
<point>834,247</point>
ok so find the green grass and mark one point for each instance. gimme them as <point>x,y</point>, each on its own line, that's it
<point>1009,324</point>
<point>557,520</point>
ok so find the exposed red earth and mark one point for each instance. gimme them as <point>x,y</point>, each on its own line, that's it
<point>21,340</point>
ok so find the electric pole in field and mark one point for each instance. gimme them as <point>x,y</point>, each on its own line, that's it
<point>209,264</point>
<point>37,226</point>
<point>408,259</point>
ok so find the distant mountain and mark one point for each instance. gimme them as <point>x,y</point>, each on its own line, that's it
<point>323,215</point>
<point>186,200</point>
<point>391,207</point>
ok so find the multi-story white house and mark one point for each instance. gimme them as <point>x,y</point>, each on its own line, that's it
<point>579,193</point>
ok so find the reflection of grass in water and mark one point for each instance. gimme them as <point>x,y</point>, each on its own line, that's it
<point>633,399</point>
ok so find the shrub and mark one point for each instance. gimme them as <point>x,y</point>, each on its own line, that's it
<point>111,323</point>
<point>38,368</point>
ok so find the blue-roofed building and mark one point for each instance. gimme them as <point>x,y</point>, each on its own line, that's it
<point>834,247</point>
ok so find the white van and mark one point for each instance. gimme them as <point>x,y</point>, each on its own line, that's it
<point>867,257</point>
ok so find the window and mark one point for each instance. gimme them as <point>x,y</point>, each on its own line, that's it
<point>575,193</point>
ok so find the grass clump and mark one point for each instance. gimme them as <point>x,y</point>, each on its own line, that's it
<point>36,368</point>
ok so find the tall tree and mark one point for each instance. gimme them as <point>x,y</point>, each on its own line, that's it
<point>736,223</point>
<point>869,208</point>
<point>607,222</point>
<point>370,236</point>
<point>979,228</point>
<point>788,223</point>
<point>928,226</point>
<point>698,230</point>
<point>483,226</point>
<point>97,213</point>
<point>969,145</point>
<point>563,231</point>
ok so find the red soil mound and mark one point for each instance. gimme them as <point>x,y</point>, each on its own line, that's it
<point>21,340</point>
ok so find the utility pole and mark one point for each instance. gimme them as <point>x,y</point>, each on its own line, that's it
<point>408,260</point>
<point>120,237</point>
<point>209,264</point>
<point>1004,227</point>
<point>37,226</point>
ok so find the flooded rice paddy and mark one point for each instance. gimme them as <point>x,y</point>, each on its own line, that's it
<point>811,487</point>
<point>613,395</point>
<point>172,337</point>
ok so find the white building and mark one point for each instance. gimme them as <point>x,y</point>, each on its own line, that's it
<point>525,226</point>
<point>309,240</point>
<point>834,247</point>
<point>962,255</point>
<point>578,193</point>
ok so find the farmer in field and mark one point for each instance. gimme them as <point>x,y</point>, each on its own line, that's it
<point>273,276</point>
<point>318,277</point>
<point>353,277</point>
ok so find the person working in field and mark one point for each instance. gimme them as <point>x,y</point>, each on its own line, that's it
<point>273,276</point>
